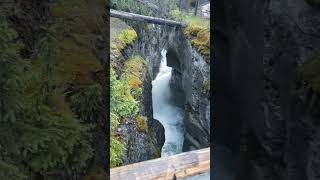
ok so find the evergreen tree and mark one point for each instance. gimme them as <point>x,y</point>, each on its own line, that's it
<point>37,135</point>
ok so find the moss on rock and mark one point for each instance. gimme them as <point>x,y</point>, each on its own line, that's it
<point>206,86</point>
<point>142,123</point>
<point>199,33</point>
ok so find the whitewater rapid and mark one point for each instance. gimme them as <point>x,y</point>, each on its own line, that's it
<point>166,111</point>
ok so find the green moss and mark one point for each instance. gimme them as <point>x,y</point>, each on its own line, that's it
<point>310,72</point>
<point>117,151</point>
<point>75,29</point>
<point>202,42</point>
<point>198,30</point>
<point>158,153</point>
<point>206,86</point>
<point>126,37</point>
<point>142,123</point>
<point>135,69</point>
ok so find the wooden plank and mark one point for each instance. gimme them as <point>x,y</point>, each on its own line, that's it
<point>145,19</point>
<point>181,165</point>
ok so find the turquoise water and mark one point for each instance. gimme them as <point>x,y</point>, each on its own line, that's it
<point>166,111</point>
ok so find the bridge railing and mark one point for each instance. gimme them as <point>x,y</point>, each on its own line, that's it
<point>182,165</point>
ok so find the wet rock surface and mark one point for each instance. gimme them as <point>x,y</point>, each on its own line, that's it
<point>140,145</point>
<point>190,71</point>
<point>264,110</point>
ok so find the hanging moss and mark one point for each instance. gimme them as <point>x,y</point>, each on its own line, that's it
<point>202,43</point>
<point>199,33</point>
<point>142,123</point>
<point>135,69</point>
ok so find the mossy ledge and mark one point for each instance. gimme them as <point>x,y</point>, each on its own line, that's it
<point>200,38</point>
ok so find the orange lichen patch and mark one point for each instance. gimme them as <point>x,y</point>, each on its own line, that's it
<point>135,82</point>
<point>136,66</point>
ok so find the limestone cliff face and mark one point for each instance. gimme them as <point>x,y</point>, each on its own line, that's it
<point>265,101</point>
<point>141,145</point>
<point>189,76</point>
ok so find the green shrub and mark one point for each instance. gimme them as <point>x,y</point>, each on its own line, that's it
<point>117,150</point>
<point>88,102</point>
<point>36,135</point>
<point>122,102</point>
<point>127,37</point>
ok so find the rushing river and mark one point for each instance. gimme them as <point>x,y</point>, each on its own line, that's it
<point>165,110</point>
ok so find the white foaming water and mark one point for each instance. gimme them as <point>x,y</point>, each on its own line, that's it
<point>165,110</point>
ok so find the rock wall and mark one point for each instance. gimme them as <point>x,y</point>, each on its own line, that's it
<point>140,145</point>
<point>265,115</point>
<point>190,71</point>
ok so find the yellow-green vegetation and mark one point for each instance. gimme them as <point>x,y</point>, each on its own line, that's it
<point>142,123</point>
<point>206,86</point>
<point>40,132</point>
<point>135,68</point>
<point>74,29</point>
<point>158,152</point>
<point>126,37</point>
<point>123,106</point>
<point>197,30</point>
<point>200,37</point>
<point>311,72</point>
<point>125,94</point>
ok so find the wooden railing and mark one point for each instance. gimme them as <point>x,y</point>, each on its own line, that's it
<point>173,167</point>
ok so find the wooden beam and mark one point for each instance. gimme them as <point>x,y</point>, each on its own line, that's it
<point>145,19</point>
<point>179,166</point>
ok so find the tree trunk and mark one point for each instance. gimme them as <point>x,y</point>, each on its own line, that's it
<point>145,19</point>
<point>196,8</point>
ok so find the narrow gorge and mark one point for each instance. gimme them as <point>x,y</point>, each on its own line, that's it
<point>176,92</point>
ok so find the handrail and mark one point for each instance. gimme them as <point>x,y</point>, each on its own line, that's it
<point>176,166</point>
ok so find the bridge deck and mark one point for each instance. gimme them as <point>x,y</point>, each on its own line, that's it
<point>181,165</point>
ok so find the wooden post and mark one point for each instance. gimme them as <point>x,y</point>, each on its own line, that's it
<point>145,19</point>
